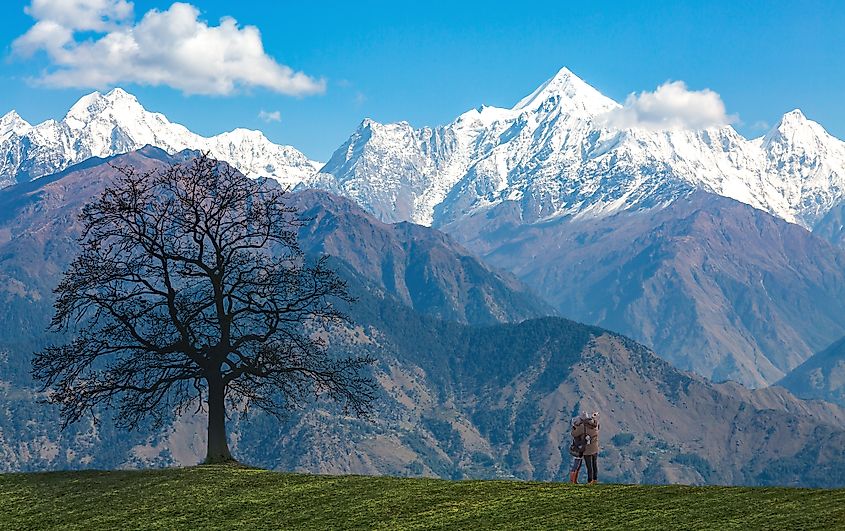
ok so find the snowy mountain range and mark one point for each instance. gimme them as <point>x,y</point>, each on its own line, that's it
<point>555,155</point>
<point>101,125</point>
<point>588,214</point>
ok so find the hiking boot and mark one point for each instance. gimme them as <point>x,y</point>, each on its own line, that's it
<point>593,482</point>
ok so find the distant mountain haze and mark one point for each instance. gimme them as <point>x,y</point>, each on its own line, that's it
<point>457,399</point>
<point>38,231</point>
<point>712,284</point>
<point>730,299</point>
<point>558,156</point>
<point>719,253</point>
<point>422,267</point>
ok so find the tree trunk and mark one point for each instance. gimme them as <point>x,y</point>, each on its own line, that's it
<point>218,445</point>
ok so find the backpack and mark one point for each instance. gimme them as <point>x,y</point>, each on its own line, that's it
<point>579,444</point>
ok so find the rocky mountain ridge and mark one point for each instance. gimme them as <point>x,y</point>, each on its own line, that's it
<point>455,400</point>
<point>711,284</point>
<point>421,267</point>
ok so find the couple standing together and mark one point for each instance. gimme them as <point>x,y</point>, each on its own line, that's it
<point>585,446</point>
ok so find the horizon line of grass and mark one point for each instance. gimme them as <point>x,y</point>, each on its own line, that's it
<point>235,496</point>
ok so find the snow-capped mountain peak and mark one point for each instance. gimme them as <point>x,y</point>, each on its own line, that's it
<point>101,125</point>
<point>86,106</point>
<point>117,105</point>
<point>805,166</point>
<point>12,123</point>
<point>551,155</point>
<point>569,93</point>
<point>794,116</point>
<point>12,118</point>
<point>243,132</point>
<point>798,130</point>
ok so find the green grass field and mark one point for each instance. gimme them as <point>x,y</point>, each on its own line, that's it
<point>225,497</point>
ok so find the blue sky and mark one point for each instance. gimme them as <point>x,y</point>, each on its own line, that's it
<point>426,62</point>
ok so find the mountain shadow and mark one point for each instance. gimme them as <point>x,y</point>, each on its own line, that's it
<point>713,285</point>
<point>822,377</point>
<point>488,399</point>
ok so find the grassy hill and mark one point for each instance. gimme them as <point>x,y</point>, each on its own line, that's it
<point>232,497</point>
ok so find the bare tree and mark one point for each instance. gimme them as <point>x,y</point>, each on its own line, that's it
<point>191,291</point>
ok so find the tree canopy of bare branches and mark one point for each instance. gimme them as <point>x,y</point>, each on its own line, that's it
<point>190,290</point>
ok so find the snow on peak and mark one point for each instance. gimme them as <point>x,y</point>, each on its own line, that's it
<point>795,129</point>
<point>571,93</point>
<point>118,93</point>
<point>12,117</point>
<point>86,105</point>
<point>368,123</point>
<point>552,156</point>
<point>117,106</point>
<point>794,121</point>
<point>485,116</point>
<point>240,134</point>
<point>100,125</point>
<point>11,122</point>
<point>795,115</point>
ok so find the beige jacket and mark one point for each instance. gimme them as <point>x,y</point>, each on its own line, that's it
<point>590,429</point>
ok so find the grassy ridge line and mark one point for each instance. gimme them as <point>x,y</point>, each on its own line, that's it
<point>241,498</point>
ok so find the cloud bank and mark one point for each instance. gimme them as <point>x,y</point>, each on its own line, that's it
<point>671,106</point>
<point>173,48</point>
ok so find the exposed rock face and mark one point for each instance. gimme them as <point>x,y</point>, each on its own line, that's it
<point>711,284</point>
<point>422,267</point>
<point>456,400</point>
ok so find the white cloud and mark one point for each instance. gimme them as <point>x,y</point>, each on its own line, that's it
<point>173,48</point>
<point>270,116</point>
<point>671,106</point>
<point>84,15</point>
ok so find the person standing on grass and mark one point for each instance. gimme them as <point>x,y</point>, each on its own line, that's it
<point>579,444</point>
<point>591,452</point>
<point>585,447</point>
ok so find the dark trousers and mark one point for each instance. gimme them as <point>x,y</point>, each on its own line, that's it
<point>592,467</point>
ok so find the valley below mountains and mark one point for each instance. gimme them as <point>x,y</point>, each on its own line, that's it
<point>714,285</point>
<point>719,252</point>
<point>476,378</point>
<point>747,299</point>
<point>708,270</point>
